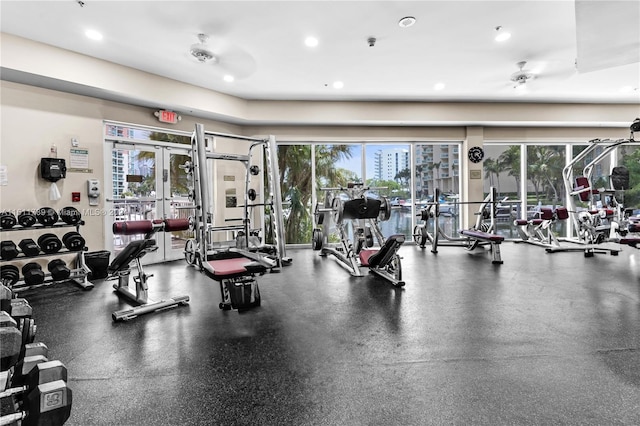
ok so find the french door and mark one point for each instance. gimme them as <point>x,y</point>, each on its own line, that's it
<point>147,183</point>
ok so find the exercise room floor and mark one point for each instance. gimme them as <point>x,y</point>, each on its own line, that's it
<point>543,339</point>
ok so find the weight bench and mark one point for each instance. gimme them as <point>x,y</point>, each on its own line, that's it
<point>479,236</point>
<point>631,241</point>
<point>383,261</point>
<point>120,266</point>
<point>236,270</point>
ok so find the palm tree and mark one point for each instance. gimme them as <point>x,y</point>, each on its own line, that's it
<point>545,165</point>
<point>510,161</point>
<point>492,168</point>
<point>295,180</point>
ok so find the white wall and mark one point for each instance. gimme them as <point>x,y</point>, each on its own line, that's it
<point>32,119</point>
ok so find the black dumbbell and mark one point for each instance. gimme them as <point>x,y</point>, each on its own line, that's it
<point>73,241</point>
<point>47,399</point>
<point>27,219</point>
<point>59,270</point>
<point>70,215</point>
<point>8,250</point>
<point>49,243</point>
<point>9,275</point>
<point>18,344</point>
<point>29,247</point>
<point>17,307</point>
<point>7,220</point>
<point>32,273</point>
<point>46,216</point>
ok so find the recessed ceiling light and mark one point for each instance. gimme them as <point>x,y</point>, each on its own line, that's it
<point>311,41</point>
<point>438,86</point>
<point>407,21</point>
<point>228,78</point>
<point>93,35</point>
<point>502,34</point>
<point>338,85</point>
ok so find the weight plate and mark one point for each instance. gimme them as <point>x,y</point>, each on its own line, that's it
<point>27,219</point>
<point>47,216</point>
<point>385,209</point>
<point>316,240</point>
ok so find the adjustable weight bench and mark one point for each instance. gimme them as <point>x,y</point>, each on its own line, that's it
<point>384,261</point>
<point>494,240</point>
<point>236,272</point>
<point>120,268</point>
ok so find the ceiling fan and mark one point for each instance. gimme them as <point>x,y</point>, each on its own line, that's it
<point>226,57</point>
<point>201,51</point>
<point>522,76</point>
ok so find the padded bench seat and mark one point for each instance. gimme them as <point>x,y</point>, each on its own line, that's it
<point>233,267</point>
<point>493,239</point>
<point>482,235</point>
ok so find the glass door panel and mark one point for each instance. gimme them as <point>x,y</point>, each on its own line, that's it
<point>176,202</point>
<point>147,183</point>
<point>135,191</point>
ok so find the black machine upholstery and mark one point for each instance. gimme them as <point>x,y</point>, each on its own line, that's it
<point>133,250</point>
<point>362,208</point>
<point>387,251</point>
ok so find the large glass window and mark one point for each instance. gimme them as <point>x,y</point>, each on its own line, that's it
<point>437,166</point>
<point>295,174</point>
<point>502,171</point>
<point>389,167</point>
<point>629,157</point>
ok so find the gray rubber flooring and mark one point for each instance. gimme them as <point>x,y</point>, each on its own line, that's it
<point>543,339</point>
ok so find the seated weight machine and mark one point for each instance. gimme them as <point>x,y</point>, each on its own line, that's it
<point>235,266</point>
<point>538,230</point>
<point>352,205</point>
<point>604,219</point>
<point>120,267</point>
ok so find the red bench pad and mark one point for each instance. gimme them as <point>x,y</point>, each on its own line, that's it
<point>224,267</point>
<point>365,255</point>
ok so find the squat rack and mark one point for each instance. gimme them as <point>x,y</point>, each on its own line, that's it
<point>202,246</point>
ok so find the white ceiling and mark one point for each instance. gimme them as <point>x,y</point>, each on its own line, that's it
<point>261,44</point>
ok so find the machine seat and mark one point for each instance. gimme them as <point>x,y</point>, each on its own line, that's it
<point>133,250</point>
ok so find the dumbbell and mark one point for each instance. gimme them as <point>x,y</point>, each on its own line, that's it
<point>73,241</point>
<point>47,399</point>
<point>9,275</point>
<point>70,215</point>
<point>8,250</point>
<point>15,335</point>
<point>32,273</point>
<point>17,343</point>
<point>49,243</point>
<point>29,247</point>
<point>7,220</point>
<point>27,219</point>
<point>58,269</point>
<point>10,347</point>
<point>46,216</point>
<point>17,307</point>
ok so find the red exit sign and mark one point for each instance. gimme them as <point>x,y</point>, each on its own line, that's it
<point>165,116</point>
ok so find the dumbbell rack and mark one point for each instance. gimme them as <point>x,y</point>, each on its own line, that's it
<point>78,274</point>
